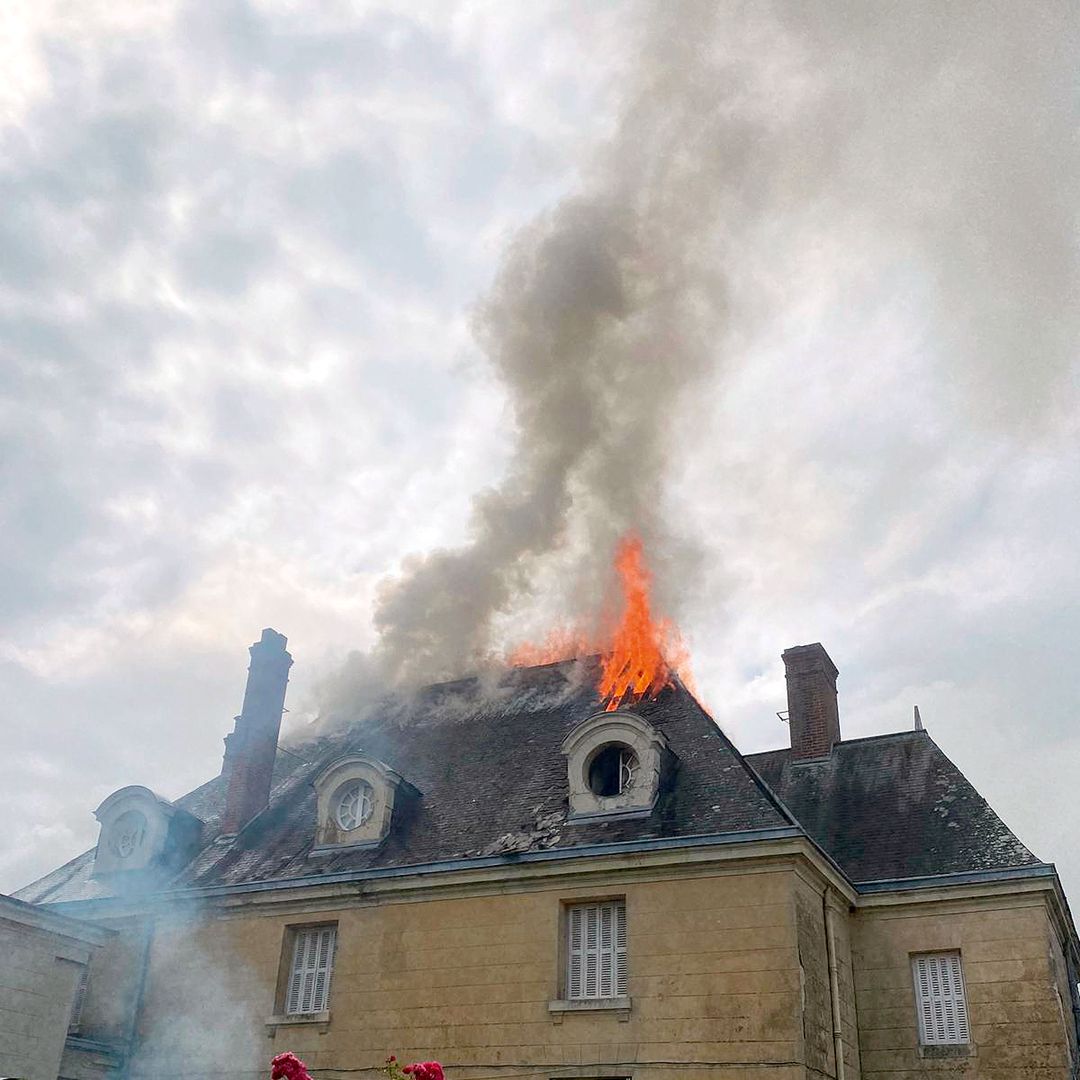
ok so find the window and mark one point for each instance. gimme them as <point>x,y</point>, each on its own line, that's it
<point>313,951</point>
<point>80,997</point>
<point>616,766</point>
<point>596,950</point>
<point>939,997</point>
<point>612,771</point>
<point>355,798</point>
<point>354,805</point>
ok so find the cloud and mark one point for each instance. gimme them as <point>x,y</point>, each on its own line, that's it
<point>241,251</point>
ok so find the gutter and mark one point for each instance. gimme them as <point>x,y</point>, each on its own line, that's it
<point>584,851</point>
<point>828,914</point>
<point>970,877</point>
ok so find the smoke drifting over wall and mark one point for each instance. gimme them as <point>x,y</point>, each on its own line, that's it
<point>930,146</point>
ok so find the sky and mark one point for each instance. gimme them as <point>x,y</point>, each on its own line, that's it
<point>378,323</point>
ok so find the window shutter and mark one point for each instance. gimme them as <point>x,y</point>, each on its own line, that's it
<point>576,953</point>
<point>596,956</point>
<point>592,951</point>
<point>939,995</point>
<point>607,950</point>
<point>324,966</point>
<point>313,963</point>
<point>620,950</point>
<point>80,997</point>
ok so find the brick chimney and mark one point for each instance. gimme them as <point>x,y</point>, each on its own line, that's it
<point>251,748</point>
<point>811,692</point>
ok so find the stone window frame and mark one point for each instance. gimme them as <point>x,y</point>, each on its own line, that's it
<point>384,783</point>
<point>941,1050</point>
<point>592,736</point>
<point>281,1016</point>
<point>562,1004</point>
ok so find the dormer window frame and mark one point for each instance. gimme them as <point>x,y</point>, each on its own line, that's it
<point>335,784</point>
<point>135,828</point>
<point>634,738</point>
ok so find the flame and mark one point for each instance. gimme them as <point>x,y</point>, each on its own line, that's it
<point>639,656</point>
<point>562,643</point>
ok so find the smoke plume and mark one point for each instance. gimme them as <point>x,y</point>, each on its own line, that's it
<point>927,146</point>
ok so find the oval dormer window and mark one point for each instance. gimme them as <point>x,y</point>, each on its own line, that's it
<point>612,770</point>
<point>355,803</point>
<point>614,762</point>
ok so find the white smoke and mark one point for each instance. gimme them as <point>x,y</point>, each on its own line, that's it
<point>932,143</point>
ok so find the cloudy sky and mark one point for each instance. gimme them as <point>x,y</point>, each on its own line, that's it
<point>355,319</point>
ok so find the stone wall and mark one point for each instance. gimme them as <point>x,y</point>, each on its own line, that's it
<point>41,960</point>
<point>713,979</point>
<point>817,994</point>
<point>1017,1025</point>
<point>109,1005</point>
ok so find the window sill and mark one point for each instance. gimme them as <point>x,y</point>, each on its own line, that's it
<point>945,1051</point>
<point>320,1019</point>
<point>619,1005</point>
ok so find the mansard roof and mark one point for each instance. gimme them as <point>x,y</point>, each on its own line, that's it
<point>893,806</point>
<point>488,763</point>
<point>483,756</point>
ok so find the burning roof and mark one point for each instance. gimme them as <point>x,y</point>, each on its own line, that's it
<point>491,780</point>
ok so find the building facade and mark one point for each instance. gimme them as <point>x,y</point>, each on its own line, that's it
<point>500,876</point>
<point>44,960</point>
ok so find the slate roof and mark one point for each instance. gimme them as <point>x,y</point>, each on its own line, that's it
<point>893,806</point>
<point>484,757</point>
<point>487,764</point>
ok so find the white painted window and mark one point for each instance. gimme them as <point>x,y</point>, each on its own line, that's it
<point>596,950</point>
<point>939,997</point>
<point>354,805</point>
<point>312,966</point>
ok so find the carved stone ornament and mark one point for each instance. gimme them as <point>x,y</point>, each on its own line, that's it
<point>134,829</point>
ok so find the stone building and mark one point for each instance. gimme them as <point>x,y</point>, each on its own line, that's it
<point>44,959</point>
<point>498,875</point>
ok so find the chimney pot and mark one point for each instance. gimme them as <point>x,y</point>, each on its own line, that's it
<point>251,748</point>
<point>813,715</point>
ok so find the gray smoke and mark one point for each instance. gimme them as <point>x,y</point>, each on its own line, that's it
<point>928,146</point>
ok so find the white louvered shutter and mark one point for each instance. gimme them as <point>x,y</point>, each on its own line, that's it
<point>80,997</point>
<point>939,995</point>
<point>620,950</point>
<point>597,951</point>
<point>312,968</point>
<point>576,955</point>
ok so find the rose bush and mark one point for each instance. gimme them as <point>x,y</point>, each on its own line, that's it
<point>288,1066</point>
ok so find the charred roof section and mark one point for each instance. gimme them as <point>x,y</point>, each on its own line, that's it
<point>488,761</point>
<point>485,763</point>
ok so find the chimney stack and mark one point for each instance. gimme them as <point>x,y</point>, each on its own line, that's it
<point>252,747</point>
<point>812,711</point>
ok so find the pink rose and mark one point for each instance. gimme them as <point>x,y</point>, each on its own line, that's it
<point>288,1067</point>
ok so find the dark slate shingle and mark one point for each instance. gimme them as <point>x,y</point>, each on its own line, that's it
<point>491,778</point>
<point>893,806</point>
<point>486,776</point>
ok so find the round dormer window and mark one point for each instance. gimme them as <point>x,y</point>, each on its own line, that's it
<point>354,805</point>
<point>127,834</point>
<point>612,770</point>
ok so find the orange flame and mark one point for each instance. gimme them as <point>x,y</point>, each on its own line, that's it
<point>641,654</point>
<point>562,643</point>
